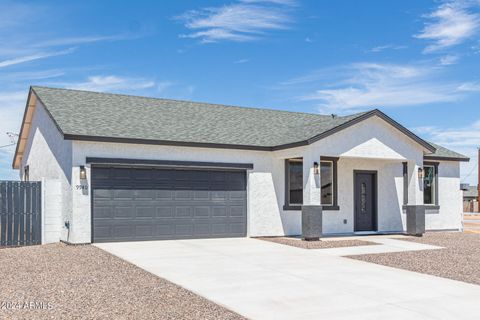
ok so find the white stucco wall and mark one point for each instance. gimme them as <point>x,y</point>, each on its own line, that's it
<point>49,157</point>
<point>52,210</point>
<point>450,214</point>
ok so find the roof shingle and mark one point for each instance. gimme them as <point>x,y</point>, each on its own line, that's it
<point>118,116</point>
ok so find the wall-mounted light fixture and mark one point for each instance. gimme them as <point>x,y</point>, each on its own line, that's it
<point>83,173</point>
<point>420,173</point>
<point>315,168</point>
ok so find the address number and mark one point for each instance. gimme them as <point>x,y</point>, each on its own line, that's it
<point>81,187</point>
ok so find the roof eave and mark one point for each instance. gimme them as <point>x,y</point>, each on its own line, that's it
<point>16,156</point>
<point>370,114</point>
<point>165,142</point>
<point>427,157</point>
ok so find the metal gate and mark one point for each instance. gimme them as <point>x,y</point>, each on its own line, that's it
<point>20,213</point>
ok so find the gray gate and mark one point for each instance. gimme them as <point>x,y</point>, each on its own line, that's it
<point>20,213</point>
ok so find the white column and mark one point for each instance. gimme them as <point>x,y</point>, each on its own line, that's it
<point>311,181</point>
<point>415,185</point>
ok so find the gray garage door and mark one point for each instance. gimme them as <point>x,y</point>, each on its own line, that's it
<point>155,204</point>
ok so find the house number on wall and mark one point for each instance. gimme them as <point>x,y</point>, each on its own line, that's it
<point>81,187</point>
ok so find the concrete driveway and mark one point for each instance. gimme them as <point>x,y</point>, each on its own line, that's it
<point>264,280</point>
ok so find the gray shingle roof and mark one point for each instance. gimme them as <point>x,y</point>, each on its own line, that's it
<point>88,114</point>
<point>444,153</point>
<point>122,116</point>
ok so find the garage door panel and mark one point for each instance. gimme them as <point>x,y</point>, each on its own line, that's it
<point>164,230</point>
<point>184,229</point>
<point>165,212</point>
<point>145,194</point>
<point>183,195</point>
<point>145,212</point>
<point>201,212</point>
<point>102,212</point>
<point>202,229</point>
<point>201,195</point>
<point>164,194</point>
<point>219,212</point>
<point>123,195</point>
<point>236,211</point>
<point>153,203</point>
<point>144,230</point>
<point>219,195</point>
<point>123,212</point>
<point>183,212</point>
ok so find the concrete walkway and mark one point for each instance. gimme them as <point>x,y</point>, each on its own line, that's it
<point>265,280</point>
<point>385,245</point>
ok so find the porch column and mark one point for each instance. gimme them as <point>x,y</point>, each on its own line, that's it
<point>311,181</point>
<point>415,210</point>
<point>311,209</point>
<point>415,186</point>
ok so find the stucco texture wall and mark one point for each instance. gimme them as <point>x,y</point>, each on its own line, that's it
<point>49,156</point>
<point>450,214</point>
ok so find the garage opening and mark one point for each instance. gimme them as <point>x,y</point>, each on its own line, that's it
<point>155,203</point>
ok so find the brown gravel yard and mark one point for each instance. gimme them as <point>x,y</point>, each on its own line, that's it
<point>85,282</point>
<point>323,244</point>
<point>459,260</point>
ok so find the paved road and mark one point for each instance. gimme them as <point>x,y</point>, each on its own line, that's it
<point>264,280</point>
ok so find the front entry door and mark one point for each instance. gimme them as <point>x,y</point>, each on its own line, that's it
<point>365,201</point>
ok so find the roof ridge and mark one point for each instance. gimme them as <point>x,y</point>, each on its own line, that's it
<point>186,101</point>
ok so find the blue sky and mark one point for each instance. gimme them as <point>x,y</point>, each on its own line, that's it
<point>418,61</point>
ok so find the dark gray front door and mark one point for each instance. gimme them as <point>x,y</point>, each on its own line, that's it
<point>155,204</point>
<point>365,201</point>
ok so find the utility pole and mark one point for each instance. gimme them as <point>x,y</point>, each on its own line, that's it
<point>478,179</point>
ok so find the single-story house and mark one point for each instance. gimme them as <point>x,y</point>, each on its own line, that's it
<point>470,199</point>
<point>137,168</point>
<point>471,194</point>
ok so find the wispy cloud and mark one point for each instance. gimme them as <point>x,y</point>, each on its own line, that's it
<point>450,24</point>
<point>240,61</point>
<point>241,21</point>
<point>68,41</point>
<point>449,59</point>
<point>36,56</point>
<point>112,83</point>
<point>469,87</point>
<point>361,86</point>
<point>387,47</point>
<point>462,139</point>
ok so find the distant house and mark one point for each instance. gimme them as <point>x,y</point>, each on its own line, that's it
<point>471,193</point>
<point>470,199</point>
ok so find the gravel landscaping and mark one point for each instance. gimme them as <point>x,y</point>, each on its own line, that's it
<point>459,260</point>
<point>323,244</point>
<point>84,282</point>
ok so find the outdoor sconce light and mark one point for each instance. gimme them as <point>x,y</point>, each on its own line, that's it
<point>83,173</point>
<point>315,168</point>
<point>420,173</point>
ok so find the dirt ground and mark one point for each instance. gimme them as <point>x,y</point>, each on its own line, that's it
<point>57,281</point>
<point>459,260</point>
